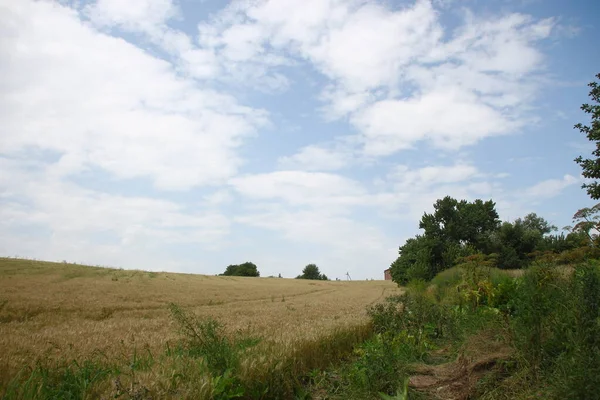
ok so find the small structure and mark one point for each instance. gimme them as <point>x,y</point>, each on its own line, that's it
<point>388,274</point>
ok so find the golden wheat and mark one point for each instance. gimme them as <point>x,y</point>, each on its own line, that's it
<point>67,310</point>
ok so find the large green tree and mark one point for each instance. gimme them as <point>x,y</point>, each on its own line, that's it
<point>591,166</point>
<point>455,229</point>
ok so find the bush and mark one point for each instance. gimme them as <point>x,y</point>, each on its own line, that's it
<point>207,339</point>
<point>578,255</point>
<point>578,366</point>
<point>311,271</point>
<point>379,366</point>
<point>245,269</point>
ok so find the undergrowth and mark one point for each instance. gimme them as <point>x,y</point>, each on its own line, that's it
<point>544,327</point>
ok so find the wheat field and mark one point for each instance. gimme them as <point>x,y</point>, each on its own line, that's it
<point>70,311</point>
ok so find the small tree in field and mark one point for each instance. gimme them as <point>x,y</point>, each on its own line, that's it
<point>591,166</point>
<point>311,271</point>
<point>245,269</point>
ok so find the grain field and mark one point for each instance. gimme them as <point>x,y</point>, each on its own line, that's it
<point>67,311</point>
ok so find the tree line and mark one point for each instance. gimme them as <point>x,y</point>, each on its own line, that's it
<point>311,271</point>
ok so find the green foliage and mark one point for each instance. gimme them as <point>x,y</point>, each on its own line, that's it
<point>245,269</point>
<point>459,229</point>
<point>460,221</point>
<point>379,365</point>
<point>206,338</point>
<point>513,242</point>
<point>557,328</point>
<point>59,380</point>
<point>311,271</point>
<point>455,229</point>
<point>401,394</point>
<point>587,221</point>
<point>591,166</point>
<point>449,278</point>
<point>413,262</point>
<point>562,242</point>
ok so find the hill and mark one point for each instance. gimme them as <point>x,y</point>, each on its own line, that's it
<point>65,311</point>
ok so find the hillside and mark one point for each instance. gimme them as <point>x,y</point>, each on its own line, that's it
<point>67,311</point>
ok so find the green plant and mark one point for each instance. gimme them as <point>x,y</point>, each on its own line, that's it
<point>59,380</point>
<point>401,394</point>
<point>590,167</point>
<point>206,338</point>
<point>378,366</point>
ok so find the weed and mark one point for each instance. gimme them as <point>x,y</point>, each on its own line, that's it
<point>48,380</point>
<point>206,338</point>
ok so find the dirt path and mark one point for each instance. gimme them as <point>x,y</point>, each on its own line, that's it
<point>457,380</point>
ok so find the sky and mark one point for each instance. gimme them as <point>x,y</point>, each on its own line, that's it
<point>187,135</point>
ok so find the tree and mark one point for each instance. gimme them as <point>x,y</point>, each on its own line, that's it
<point>414,261</point>
<point>591,166</point>
<point>311,271</point>
<point>532,221</point>
<point>245,269</point>
<point>513,242</point>
<point>456,228</point>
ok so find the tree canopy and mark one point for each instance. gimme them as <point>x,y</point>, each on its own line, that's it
<point>458,229</point>
<point>311,271</point>
<point>245,269</point>
<point>591,166</point>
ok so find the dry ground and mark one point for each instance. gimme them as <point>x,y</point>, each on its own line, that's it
<point>70,310</point>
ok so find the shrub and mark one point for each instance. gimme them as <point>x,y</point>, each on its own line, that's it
<point>379,366</point>
<point>59,379</point>
<point>206,338</point>
<point>245,269</point>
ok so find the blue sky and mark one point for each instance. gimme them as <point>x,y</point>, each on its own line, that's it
<point>182,135</point>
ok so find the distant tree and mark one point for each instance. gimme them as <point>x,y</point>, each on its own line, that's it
<point>591,166</point>
<point>311,271</point>
<point>532,221</point>
<point>245,269</point>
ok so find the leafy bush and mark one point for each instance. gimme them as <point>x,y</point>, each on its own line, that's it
<point>245,269</point>
<point>59,379</point>
<point>311,271</point>
<point>379,366</point>
<point>206,338</point>
<point>578,255</point>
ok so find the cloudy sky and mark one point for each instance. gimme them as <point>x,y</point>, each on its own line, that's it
<point>186,135</point>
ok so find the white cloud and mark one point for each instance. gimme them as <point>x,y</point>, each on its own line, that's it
<point>301,188</point>
<point>551,187</point>
<point>316,158</point>
<point>406,178</point>
<point>79,100</point>
<point>56,220</point>
<point>448,119</point>
<point>135,15</point>
<point>393,71</point>
<point>103,102</point>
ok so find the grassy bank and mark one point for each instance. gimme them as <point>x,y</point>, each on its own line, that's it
<point>480,333</point>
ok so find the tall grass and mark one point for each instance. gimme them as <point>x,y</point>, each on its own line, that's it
<point>537,335</point>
